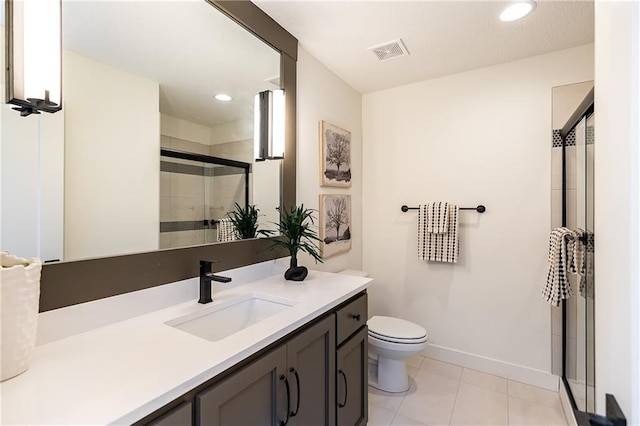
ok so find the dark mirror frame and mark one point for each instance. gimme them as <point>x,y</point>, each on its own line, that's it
<point>70,283</point>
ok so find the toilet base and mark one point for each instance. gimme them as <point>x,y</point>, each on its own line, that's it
<point>388,374</point>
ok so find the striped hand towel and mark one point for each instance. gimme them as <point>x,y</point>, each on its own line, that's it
<point>437,217</point>
<point>226,230</point>
<point>438,247</point>
<point>561,259</point>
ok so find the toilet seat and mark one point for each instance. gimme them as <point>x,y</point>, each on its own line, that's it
<point>396,330</point>
<point>397,340</point>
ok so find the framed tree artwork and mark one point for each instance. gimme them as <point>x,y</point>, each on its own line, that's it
<point>335,156</point>
<point>335,224</point>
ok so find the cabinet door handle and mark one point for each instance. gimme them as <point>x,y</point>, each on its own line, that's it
<point>295,373</point>
<point>341,405</point>
<point>355,317</point>
<point>286,384</point>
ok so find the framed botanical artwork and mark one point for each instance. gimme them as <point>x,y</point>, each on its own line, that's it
<point>335,156</point>
<point>335,224</point>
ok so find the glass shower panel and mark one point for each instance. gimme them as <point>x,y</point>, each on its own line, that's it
<point>589,262</point>
<point>575,206</point>
<point>182,202</point>
<point>196,191</point>
<point>580,350</point>
<point>226,186</point>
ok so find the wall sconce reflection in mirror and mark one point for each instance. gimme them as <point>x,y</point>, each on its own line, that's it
<point>268,126</point>
<point>34,65</point>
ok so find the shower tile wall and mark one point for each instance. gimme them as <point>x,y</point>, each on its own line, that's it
<point>241,150</point>
<point>556,221</point>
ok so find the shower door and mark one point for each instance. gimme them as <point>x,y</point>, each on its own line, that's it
<point>196,191</point>
<point>578,215</point>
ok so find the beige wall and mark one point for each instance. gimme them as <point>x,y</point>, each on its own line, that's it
<point>112,139</point>
<point>479,137</point>
<point>182,129</point>
<point>323,96</point>
<point>31,162</point>
<point>566,100</point>
<point>617,209</point>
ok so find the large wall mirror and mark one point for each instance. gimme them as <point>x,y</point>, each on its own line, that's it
<point>143,158</point>
<point>139,85</point>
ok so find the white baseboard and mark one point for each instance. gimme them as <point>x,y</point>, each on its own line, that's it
<point>519,373</point>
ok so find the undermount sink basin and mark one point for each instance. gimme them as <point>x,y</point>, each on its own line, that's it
<point>225,319</point>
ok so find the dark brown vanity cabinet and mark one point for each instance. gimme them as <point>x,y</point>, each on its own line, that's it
<point>352,380</point>
<point>293,385</point>
<point>254,395</point>
<point>314,376</point>
<point>352,363</point>
<point>311,371</point>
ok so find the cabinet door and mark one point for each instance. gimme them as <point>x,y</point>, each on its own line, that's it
<point>352,380</point>
<point>255,395</point>
<point>311,372</point>
<point>179,416</point>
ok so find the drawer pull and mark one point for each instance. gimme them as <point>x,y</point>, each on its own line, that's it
<point>355,317</point>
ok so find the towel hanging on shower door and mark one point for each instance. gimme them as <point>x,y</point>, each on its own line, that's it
<point>562,259</point>
<point>226,230</point>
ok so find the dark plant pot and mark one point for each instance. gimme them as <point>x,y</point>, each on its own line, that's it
<point>295,272</point>
<point>298,273</point>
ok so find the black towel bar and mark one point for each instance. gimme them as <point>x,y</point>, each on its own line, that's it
<point>479,209</point>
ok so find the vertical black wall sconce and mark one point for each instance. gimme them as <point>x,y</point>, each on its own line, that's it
<point>268,125</point>
<point>34,55</point>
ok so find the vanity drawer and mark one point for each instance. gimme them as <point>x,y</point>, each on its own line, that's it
<point>351,317</point>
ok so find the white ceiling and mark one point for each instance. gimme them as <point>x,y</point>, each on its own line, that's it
<point>190,48</point>
<point>443,37</point>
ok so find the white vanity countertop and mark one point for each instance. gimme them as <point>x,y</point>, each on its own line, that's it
<point>120,373</point>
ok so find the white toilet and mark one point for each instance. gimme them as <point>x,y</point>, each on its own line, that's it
<point>391,342</point>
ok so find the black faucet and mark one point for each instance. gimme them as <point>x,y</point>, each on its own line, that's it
<point>206,276</point>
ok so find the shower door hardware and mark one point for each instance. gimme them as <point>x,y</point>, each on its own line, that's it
<point>614,415</point>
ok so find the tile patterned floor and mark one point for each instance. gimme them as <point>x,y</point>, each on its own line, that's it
<point>446,394</point>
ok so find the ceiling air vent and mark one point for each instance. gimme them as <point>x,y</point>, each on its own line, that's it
<point>389,50</point>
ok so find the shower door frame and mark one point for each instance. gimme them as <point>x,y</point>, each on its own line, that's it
<point>584,110</point>
<point>202,158</point>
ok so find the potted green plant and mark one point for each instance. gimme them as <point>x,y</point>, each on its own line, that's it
<point>297,235</point>
<point>245,221</point>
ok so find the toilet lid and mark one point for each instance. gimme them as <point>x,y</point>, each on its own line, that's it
<point>394,329</point>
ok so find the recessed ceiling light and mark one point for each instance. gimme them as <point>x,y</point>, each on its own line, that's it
<point>222,97</point>
<point>517,10</point>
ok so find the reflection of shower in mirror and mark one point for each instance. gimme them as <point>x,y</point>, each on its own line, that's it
<point>102,168</point>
